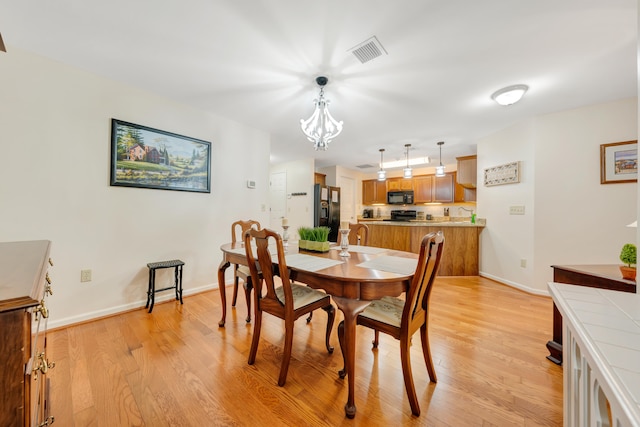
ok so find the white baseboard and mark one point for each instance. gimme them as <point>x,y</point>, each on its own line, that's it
<point>514,284</point>
<point>84,317</point>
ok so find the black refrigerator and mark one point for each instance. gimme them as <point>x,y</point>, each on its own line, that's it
<point>326,209</point>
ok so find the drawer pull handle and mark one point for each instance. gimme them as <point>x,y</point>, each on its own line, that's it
<point>43,366</point>
<point>50,262</point>
<point>48,290</point>
<point>50,420</point>
<point>47,278</point>
<point>42,309</point>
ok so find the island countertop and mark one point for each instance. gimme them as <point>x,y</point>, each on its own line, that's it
<point>480,222</point>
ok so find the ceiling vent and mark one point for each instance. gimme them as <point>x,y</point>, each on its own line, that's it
<point>368,50</point>
<point>366,166</point>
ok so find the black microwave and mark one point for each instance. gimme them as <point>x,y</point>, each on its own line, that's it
<point>400,197</point>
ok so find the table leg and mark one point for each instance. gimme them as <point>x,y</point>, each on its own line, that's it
<point>555,345</point>
<point>223,294</point>
<point>178,281</point>
<point>152,288</point>
<point>149,289</point>
<point>350,308</point>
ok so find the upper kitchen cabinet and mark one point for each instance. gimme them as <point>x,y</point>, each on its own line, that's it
<point>399,184</point>
<point>320,178</point>
<point>433,189</point>
<point>423,189</point>
<point>374,192</point>
<point>467,171</point>
<point>443,188</point>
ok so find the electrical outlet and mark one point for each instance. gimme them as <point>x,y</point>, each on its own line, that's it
<point>85,275</point>
<point>523,263</point>
<point>516,210</point>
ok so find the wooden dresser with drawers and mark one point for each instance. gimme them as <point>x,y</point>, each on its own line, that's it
<point>24,286</point>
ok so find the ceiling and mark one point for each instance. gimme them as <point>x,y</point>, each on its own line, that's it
<point>255,61</point>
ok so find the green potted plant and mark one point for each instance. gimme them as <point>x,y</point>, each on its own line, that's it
<point>314,238</point>
<point>628,256</point>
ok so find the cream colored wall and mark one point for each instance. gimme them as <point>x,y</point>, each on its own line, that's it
<point>570,217</point>
<point>54,184</point>
<point>300,179</point>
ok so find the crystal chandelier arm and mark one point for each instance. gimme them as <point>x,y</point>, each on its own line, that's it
<point>321,127</point>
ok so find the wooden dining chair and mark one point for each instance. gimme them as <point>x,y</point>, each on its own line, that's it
<point>358,234</point>
<point>241,272</point>
<point>288,301</point>
<point>402,318</point>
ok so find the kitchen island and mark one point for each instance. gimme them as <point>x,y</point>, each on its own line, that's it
<point>461,247</point>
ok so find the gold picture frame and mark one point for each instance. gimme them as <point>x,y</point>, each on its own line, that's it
<point>619,162</point>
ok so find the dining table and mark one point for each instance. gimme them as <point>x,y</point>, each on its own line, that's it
<point>367,273</point>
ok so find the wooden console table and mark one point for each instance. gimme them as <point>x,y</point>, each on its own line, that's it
<point>603,276</point>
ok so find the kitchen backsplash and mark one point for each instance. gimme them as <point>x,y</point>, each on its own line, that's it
<point>454,210</point>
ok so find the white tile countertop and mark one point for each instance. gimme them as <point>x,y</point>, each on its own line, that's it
<point>602,349</point>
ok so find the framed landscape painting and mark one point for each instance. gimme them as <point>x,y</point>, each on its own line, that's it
<point>619,162</point>
<point>150,158</point>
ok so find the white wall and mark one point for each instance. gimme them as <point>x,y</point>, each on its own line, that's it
<point>300,179</point>
<point>570,217</point>
<point>54,184</point>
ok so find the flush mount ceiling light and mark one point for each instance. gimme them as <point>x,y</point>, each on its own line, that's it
<point>382,174</point>
<point>416,161</point>
<point>510,94</point>
<point>440,169</point>
<point>408,173</point>
<point>321,128</point>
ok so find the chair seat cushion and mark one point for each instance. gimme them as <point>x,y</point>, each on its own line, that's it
<point>386,310</point>
<point>244,270</point>
<point>302,295</point>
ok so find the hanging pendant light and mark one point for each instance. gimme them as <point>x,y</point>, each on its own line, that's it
<point>440,169</point>
<point>408,172</point>
<point>382,174</point>
<point>321,127</point>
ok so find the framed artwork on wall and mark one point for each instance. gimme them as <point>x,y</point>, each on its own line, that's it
<point>144,157</point>
<point>508,173</point>
<point>619,162</point>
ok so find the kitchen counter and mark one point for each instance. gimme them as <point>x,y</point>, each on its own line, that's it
<point>480,222</point>
<point>460,255</point>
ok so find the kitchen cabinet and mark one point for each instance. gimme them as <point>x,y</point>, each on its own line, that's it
<point>462,194</point>
<point>423,189</point>
<point>320,178</point>
<point>433,189</point>
<point>443,188</point>
<point>460,255</point>
<point>400,184</point>
<point>374,192</point>
<point>467,171</point>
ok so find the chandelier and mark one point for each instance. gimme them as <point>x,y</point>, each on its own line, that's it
<point>321,127</point>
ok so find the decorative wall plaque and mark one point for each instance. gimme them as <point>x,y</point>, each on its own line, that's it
<point>504,174</point>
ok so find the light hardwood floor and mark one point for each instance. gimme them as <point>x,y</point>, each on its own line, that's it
<point>176,367</point>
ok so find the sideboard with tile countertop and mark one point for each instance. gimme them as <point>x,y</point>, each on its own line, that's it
<point>601,357</point>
